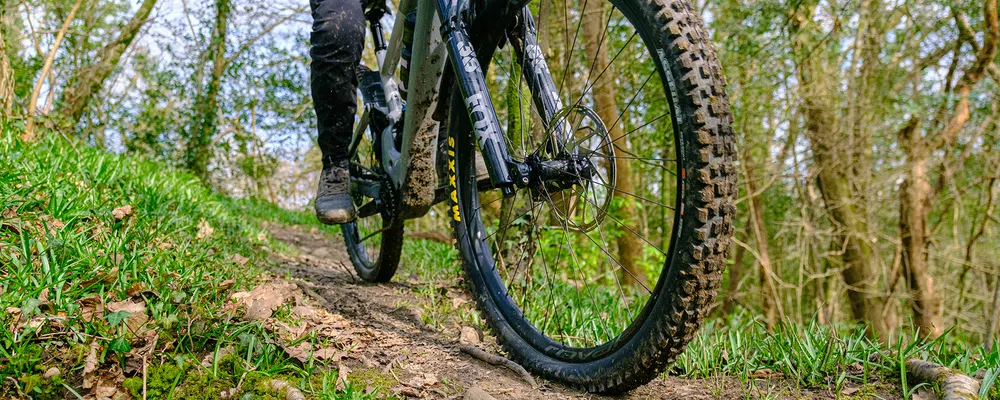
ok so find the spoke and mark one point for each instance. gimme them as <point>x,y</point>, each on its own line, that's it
<point>606,252</point>
<point>627,106</point>
<point>572,47</point>
<point>604,70</point>
<point>508,225</point>
<point>617,281</point>
<point>634,195</point>
<point>624,225</point>
<point>576,261</point>
<point>370,235</point>
<point>650,122</point>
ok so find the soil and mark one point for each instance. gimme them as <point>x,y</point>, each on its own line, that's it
<point>393,343</point>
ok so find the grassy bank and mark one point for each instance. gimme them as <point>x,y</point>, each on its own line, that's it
<point>109,264</point>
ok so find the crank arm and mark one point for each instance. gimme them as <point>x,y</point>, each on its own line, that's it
<point>368,209</point>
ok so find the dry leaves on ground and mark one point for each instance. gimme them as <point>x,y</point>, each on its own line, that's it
<point>137,317</point>
<point>122,212</point>
<point>261,302</point>
<point>204,229</point>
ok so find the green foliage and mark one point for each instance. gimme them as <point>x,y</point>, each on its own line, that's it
<point>816,356</point>
<point>66,243</point>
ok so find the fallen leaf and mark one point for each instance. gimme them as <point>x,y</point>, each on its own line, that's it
<point>135,289</point>
<point>204,229</point>
<point>210,358</point>
<point>90,365</point>
<point>226,284</point>
<point>342,372</point>
<point>50,224</point>
<point>765,373</point>
<point>239,259</point>
<point>849,391</point>
<point>122,212</point>
<point>137,313</point>
<point>411,392</point>
<point>304,312</point>
<point>15,314</point>
<point>91,307</point>
<point>264,299</point>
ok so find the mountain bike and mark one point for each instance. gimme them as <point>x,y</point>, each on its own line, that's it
<point>586,161</point>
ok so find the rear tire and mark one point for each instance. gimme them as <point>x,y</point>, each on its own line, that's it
<point>706,186</point>
<point>374,248</point>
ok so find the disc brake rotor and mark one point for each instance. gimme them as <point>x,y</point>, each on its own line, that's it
<point>583,136</point>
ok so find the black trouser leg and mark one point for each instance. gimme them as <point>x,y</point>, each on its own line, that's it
<point>337,38</point>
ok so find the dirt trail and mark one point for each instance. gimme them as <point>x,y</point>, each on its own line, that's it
<point>427,362</point>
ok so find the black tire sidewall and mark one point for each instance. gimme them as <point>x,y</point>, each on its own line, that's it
<point>664,330</point>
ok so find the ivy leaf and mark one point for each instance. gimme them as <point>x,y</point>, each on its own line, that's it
<point>116,318</point>
<point>120,345</point>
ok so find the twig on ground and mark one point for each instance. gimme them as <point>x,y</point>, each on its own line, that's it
<point>145,359</point>
<point>349,272</point>
<point>954,385</point>
<point>476,353</point>
<point>306,287</point>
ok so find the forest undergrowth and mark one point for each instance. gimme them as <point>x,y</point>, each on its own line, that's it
<point>116,274</point>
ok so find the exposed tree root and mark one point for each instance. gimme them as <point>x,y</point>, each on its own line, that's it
<point>478,354</point>
<point>290,392</point>
<point>954,385</point>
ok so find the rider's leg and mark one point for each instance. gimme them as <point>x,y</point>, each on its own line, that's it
<point>337,42</point>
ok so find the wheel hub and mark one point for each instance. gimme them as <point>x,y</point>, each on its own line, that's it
<point>575,168</point>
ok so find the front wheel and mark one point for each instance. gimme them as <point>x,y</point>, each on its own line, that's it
<point>601,283</point>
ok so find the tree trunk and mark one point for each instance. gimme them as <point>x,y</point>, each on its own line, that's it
<point>206,124</point>
<point>835,178</point>
<point>90,79</point>
<point>6,73</point>
<point>29,128</point>
<point>770,299</point>
<point>914,205</point>
<point>629,246</point>
<point>915,191</point>
<point>994,312</point>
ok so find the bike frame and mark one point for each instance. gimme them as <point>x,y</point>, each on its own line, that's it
<point>440,28</point>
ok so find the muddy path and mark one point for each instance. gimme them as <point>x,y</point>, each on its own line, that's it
<point>420,361</point>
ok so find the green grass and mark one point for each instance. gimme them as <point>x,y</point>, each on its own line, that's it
<point>62,249</point>
<point>64,255</point>
<point>813,356</point>
<point>818,356</point>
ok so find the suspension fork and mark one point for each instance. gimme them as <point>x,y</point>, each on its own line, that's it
<point>504,172</point>
<point>534,69</point>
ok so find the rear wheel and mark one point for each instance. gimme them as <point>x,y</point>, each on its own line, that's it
<point>603,282</point>
<point>375,240</point>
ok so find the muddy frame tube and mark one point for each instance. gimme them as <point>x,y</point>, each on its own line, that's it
<point>410,167</point>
